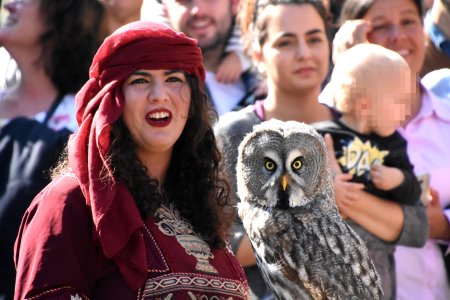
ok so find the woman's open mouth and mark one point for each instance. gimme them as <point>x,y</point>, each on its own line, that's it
<point>159,118</point>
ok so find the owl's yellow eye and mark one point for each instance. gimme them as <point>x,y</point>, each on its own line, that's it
<point>269,164</point>
<point>297,164</point>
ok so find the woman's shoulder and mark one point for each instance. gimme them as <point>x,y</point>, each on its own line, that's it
<point>56,235</point>
<point>233,126</point>
<point>65,185</point>
<point>61,199</point>
<point>58,212</point>
<point>237,121</point>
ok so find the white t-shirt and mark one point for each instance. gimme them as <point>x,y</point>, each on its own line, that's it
<point>63,117</point>
<point>225,97</point>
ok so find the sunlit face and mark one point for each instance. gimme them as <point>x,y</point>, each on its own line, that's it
<point>24,24</point>
<point>207,21</point>
<point>156,109</point>
<point>397,25</point>
<point>295,54</point>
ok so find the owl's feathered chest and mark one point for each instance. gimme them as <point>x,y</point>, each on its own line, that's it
<point>301,223</point>
<point>315,250</point>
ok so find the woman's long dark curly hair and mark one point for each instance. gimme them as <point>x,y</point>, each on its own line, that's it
<point>70,41</point>
<point>193,181</point>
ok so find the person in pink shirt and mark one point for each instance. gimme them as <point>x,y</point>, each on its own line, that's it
<point>397,25</point>
<point>421,271</point>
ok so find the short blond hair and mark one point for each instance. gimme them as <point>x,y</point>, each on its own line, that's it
<point>358,71</point>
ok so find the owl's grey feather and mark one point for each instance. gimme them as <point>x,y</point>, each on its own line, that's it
<point>305,250</point>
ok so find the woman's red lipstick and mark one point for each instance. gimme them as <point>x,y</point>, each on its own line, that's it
<point>159,117</point>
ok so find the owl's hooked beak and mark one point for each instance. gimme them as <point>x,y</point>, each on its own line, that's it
<point>284,181</point>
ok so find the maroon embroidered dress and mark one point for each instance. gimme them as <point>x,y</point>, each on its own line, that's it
<point>83,237</point>
<point>180,264</point>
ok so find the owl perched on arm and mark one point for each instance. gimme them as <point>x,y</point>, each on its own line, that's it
<point>303,247</point>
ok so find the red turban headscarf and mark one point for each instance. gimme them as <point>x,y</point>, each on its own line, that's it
<point>138,45</point>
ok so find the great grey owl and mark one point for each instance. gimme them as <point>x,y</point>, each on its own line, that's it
<point>304,249</point>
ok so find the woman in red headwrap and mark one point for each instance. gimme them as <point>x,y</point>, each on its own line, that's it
<point>138,209</point>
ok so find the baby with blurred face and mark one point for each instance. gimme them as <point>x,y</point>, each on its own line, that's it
<point>373,88</point>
